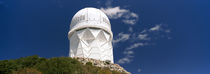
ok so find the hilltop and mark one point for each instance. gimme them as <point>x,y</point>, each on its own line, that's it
<point>58,65</point>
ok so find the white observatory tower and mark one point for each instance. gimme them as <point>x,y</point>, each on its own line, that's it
<point>90,35</point>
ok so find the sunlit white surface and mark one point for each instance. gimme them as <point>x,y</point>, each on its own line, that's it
<point>90,35</point>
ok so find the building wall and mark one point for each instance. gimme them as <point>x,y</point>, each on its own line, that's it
<point>93,43</point>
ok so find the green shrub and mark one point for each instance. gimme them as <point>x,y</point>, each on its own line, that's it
<point>58,65</point>
<point>89,63</point>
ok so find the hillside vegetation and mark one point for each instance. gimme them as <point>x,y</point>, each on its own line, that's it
<point>58,65</point>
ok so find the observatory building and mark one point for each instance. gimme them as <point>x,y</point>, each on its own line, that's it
<point>90,35</point>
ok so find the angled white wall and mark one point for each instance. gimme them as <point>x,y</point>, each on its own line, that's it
<point>90,35</point>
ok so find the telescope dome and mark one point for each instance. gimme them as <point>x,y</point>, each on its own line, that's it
<point>90,18</point>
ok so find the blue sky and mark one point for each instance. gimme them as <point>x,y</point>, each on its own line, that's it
<point>150,36</point>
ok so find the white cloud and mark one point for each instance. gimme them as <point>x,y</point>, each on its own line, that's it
<point>155,28</point>
<point>147,35</point>
<point>127,16</point>
<point>134,15</point>
<point>128,52</point>
<point>143,31</point>
<point>133,21</point>
<point>130,18</point>
<point>121,37</point>
<point>115,12</point>
<point>135,45</point>
<point>143,37</point>
<point>126,59</point>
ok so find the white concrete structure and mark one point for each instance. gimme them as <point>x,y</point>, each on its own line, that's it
<point>90,35</point>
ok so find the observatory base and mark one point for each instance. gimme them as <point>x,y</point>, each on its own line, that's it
<point>91,43</point>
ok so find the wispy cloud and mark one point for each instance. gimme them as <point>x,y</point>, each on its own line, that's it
<point>114,12</point>
<point>140,39</point>
<point>124,60</point>
<point>128,53</point>
<point>126,15</point>
<point>127,21</point>
<point>128,57</point>
<point>121,37</point>
<point>131,18</point>
<point>135,45</point>
<point>155,28</point>
<point>143,37</point>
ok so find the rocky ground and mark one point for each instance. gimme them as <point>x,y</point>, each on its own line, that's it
<point>102,64</point>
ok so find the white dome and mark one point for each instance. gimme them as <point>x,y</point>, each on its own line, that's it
<point>90,35</point>
<point>90,17</point>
